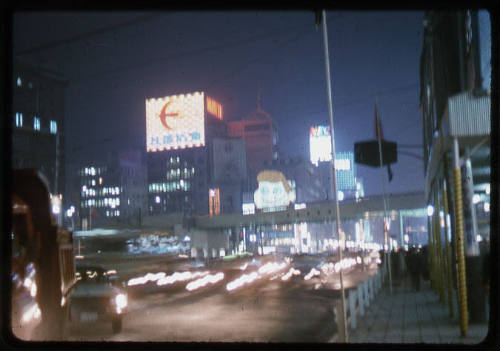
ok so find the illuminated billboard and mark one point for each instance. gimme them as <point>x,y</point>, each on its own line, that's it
<point>320,147</point>
<point>214,108</point>
<point>175,122</point>
<point>274,192</point>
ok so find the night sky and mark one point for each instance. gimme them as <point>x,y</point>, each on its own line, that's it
<point>373,55</point>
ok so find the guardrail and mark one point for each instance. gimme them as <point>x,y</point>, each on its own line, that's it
<point>357,299</point>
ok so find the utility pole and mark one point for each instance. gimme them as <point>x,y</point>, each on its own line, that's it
<point>387,256</point>
<point>344,337</point>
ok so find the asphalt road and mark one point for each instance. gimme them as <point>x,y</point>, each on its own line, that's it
<point>268,309</point>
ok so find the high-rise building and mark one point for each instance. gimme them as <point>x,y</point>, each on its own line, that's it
<point>38,122</point>
<point>346,174</point>
<point>229,172</point>
<point>261,137</point>
<point>113,190</point>
<point>180,130</point>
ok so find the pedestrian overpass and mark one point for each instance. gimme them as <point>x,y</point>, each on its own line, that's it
<point>212,234</point>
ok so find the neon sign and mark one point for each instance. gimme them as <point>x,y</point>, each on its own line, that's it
<point>175,122</point>
<point>320,147</point>
<point>214,108</point>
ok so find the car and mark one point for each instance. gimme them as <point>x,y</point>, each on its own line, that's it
<point>98,296</point>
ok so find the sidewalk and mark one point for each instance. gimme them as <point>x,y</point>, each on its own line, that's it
<point>410,316</point>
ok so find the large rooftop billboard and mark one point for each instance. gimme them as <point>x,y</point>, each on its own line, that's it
<point>175,122</point>
<point>320,145</point>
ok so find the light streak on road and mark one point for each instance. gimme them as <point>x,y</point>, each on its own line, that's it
<point>313,272</point>
<point>243,267</point>
<point>149,277</point>
<point>244,279</point>
<point>272,267</point>
<point>291,272</point>
<point>209,279</point>
<point>180,277</point>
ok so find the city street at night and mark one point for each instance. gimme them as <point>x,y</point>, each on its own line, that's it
<point>307,176</point>
<point>267,309</point>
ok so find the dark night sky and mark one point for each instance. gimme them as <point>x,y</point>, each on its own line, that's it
<point>227,54</point>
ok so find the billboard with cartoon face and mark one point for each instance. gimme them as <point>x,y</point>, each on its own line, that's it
<point>274,191</point>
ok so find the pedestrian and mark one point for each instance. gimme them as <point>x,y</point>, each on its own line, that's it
<point>413,263</point>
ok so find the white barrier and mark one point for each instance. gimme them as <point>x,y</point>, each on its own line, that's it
<point>359,298</point>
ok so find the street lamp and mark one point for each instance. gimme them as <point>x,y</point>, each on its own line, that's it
<point>69,213</point>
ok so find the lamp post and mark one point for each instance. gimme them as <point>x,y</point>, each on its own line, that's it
<point>343,337</point>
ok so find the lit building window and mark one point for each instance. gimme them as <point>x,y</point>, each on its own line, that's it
<point>19,119</point>
<point>36,123</point>
<point>93,182</point>
<point>19,82</point>
<point>157,199</point>
<point>53,127</point>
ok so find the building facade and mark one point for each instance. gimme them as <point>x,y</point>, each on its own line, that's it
<point>229,172</point>
<point>38,122</point>
<point>261,138</point>
<point>113,191</point>
<point>455,76</point>
<point>180,134</point>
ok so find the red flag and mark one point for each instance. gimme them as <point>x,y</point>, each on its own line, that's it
<point>378,125</point>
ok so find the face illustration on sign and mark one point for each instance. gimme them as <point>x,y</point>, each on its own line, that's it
<point>273,191</point>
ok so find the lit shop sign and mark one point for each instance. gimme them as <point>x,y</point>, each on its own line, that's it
<point>274,192</point>
<point>248,208</point>
<point>214,108</point>
<point>175,122</point>
<point>342,164</point>
<point>320,145</point>
<point>214,202</point>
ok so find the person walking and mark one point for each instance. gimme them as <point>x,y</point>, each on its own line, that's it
<point>413,263</point>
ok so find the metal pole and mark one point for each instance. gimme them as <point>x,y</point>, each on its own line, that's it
<point>462,287</point>
<point>343,337</point>
<point>448,251</point>
<point>387,256</point>
<point>441,265</point>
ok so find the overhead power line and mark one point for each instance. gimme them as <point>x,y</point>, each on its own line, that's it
<point>158,60</point>
<point>84,36</point>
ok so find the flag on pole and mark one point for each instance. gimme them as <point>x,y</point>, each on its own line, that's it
<point>318,17</point>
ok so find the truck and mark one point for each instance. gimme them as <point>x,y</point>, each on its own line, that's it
<point>42,262</point>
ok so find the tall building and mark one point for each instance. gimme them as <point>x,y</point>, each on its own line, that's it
<point>180,130</point>
<point>38,122</point>
<point>305,178</point>
<point>455,78</point>
<point>229,172</point>
<point>346,175</point>
<point>261,137</point>
<point>113,190</point>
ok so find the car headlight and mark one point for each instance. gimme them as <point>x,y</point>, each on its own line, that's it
<point>121,301</point>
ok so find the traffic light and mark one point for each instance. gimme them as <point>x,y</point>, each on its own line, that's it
<point>366,153</point>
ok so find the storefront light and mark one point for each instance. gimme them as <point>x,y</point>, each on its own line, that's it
<point>430,210</point>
